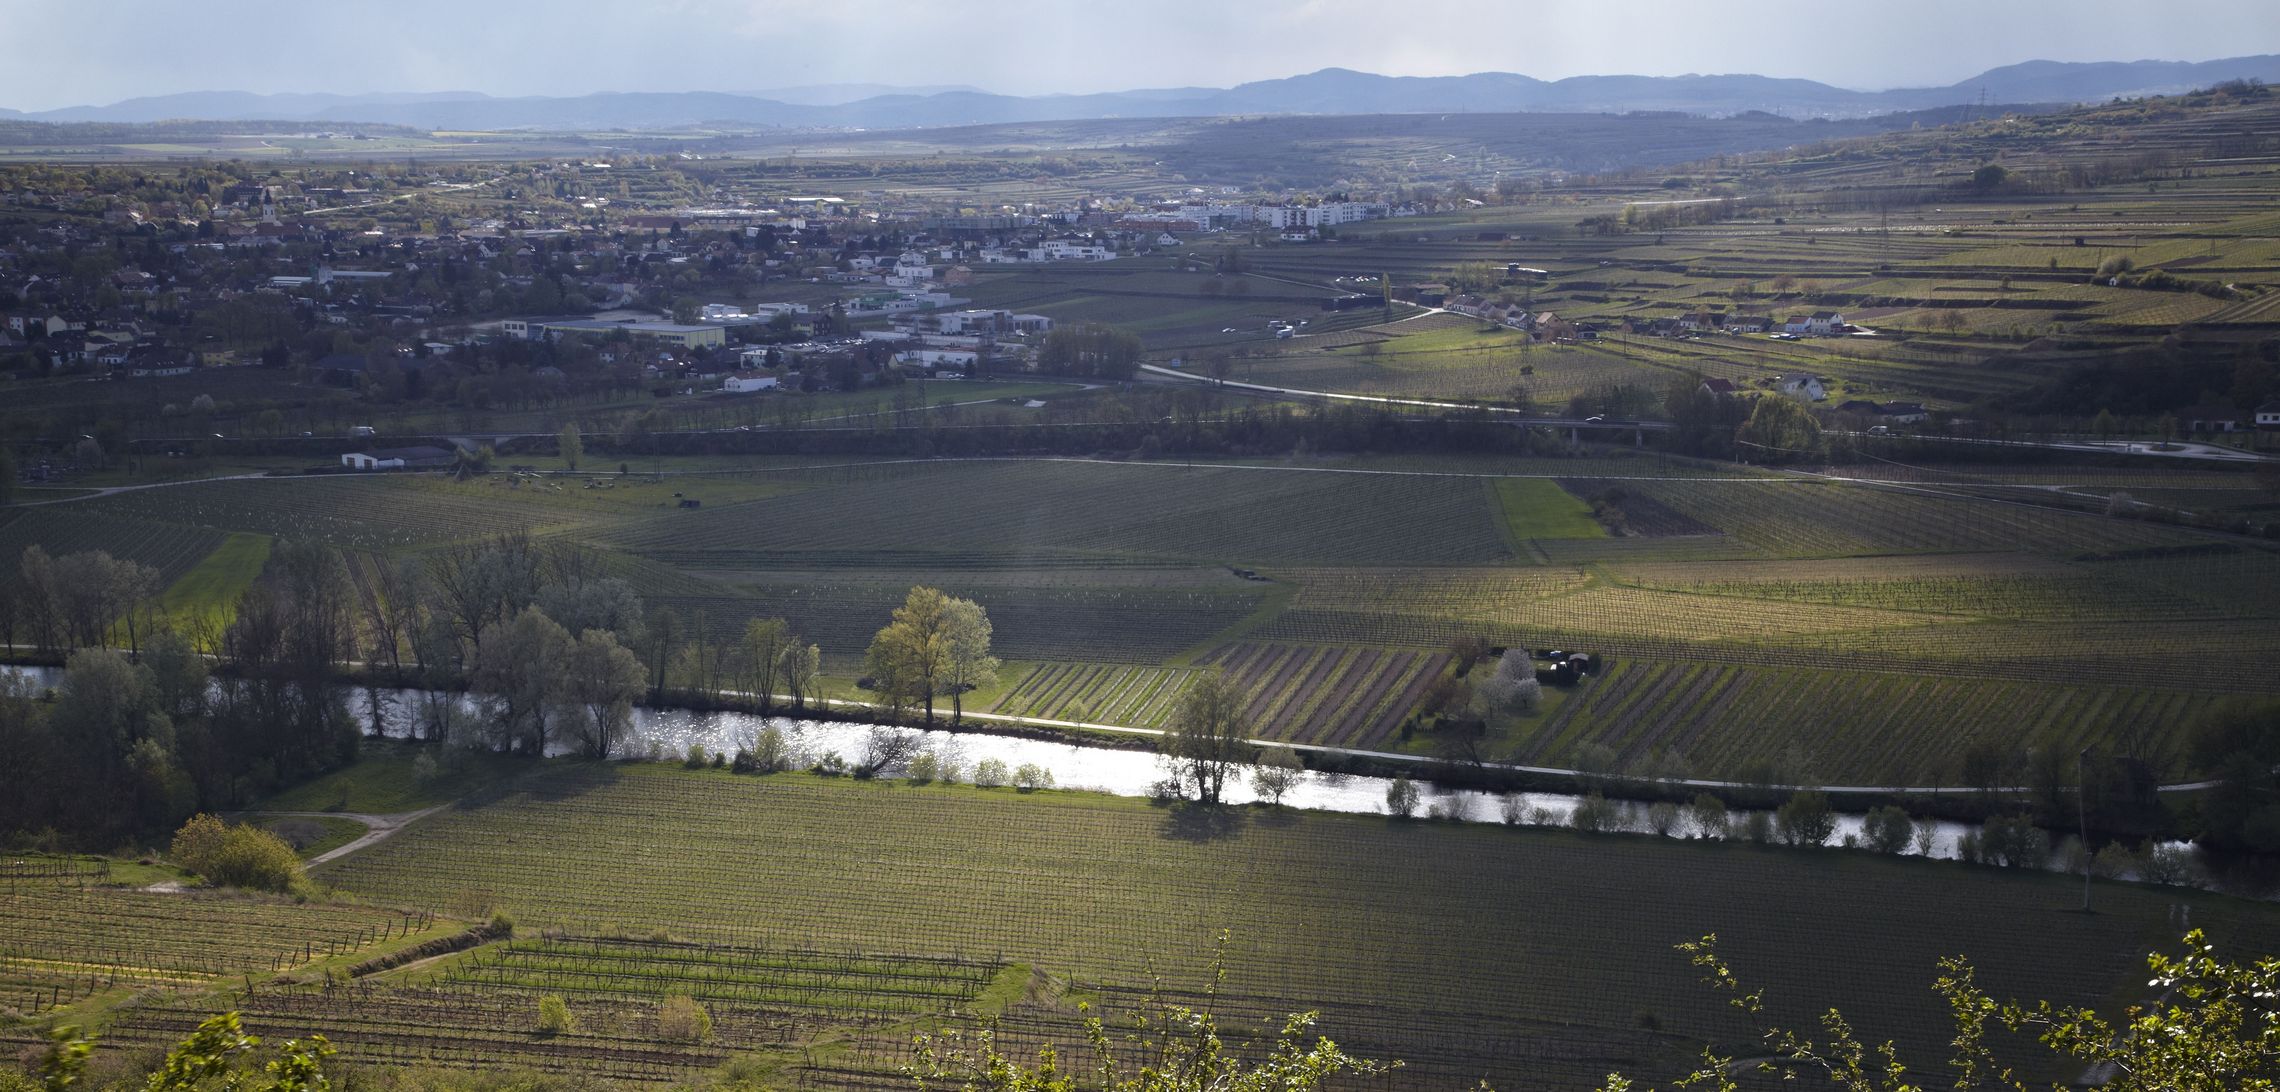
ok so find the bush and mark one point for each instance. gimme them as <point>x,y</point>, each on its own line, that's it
<point>770,754</point>
<point>1806,819</point>
<point>1662,818</point>
<point>681,1020</point>
<point>830,765</point>
<point>554,1016</point>
<point>923,767</point>
<point>990,773</point>
<point>1595,814</point>
<point>502,924</point>
<point>1889,829</point>
<point>1707,815</point>
<point>1514,809</point>
<point>1032,777</point>
<point>236,856</point>
<point>696,759</point>
<point>1401,798</point>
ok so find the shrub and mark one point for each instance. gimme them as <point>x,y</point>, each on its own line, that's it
<point>1595,814</point>
<point>1806,819</point>
<point>1888,829</point>
<point>770,754</point>
<point>990,773</point>
<point>502,924</point>
<point>1707,815</point>
<point>1514,809</point>
<point>830,765</point>
<point>1401,798</point>
<point>696,759</point>
<point>554,1016</point>
<point>923,766</point>
<point>1662,817</point>
<point>681,1020</point>
<point>1032,777</point>
<point>236,856</point>
<point>1757,826</point>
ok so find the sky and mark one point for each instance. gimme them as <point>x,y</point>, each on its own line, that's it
<point>75,52</point>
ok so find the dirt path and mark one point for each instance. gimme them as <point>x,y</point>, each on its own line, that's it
<point>381,826</point>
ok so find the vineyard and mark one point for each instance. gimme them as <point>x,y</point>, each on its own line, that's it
<point>62,941</point>
<point>1349,697</point>
<point>68,529</point>
<point>1326,911</point>
<point>481,1008</point>
<point>1214,514</point>
<point>1837,727</point>
<point>1140,697</point>
<point>358,513</point>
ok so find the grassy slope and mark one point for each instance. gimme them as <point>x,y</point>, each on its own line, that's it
<point>205,594</point>
<point>1517,926</point>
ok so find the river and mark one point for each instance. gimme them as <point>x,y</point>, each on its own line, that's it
<point>666,734</point>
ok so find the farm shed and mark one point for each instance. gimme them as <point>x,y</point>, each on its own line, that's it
<point>396,458</point>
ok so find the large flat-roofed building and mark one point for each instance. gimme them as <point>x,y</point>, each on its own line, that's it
<point>671,333</point>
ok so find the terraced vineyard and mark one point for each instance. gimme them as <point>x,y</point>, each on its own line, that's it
<point>60,941</point>
<point>480,1009</point>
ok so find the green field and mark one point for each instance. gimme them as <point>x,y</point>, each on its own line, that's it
<point>1390,929</point>
<point>1925,615</point>
<point>204,597</point>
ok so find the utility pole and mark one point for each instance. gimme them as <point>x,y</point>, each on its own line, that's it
<point>2082,813</point>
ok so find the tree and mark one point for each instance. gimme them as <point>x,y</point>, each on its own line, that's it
<point>967,663</point>
<point>1401,797</point>
<point>801,665</point>
<point>1806,819</point>
<point>570,445</point>
<point>765,640</point>
<point>909,659</point>
<point>1707,814</point>
<point>1209,736</point>
<point>1888,829</point>
<point>602,678</point>
<point>522,666</point>
<point>1780,430</point>
<point>1277,773</point>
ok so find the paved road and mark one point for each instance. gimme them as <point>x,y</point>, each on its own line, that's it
<point>1516,416</point>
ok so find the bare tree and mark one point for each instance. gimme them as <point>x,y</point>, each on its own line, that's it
<point>1209,736</point>
<point>1277,773</point>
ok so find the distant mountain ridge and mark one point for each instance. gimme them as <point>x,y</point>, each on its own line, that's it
<point>1329,91</point>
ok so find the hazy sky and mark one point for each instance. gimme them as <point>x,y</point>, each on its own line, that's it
<point>71,52</point>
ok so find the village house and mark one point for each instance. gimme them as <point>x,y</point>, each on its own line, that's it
<point>1817,324</point>
<point>2268,416</point>
<point>1804,388</point>
<point>748,384</point>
